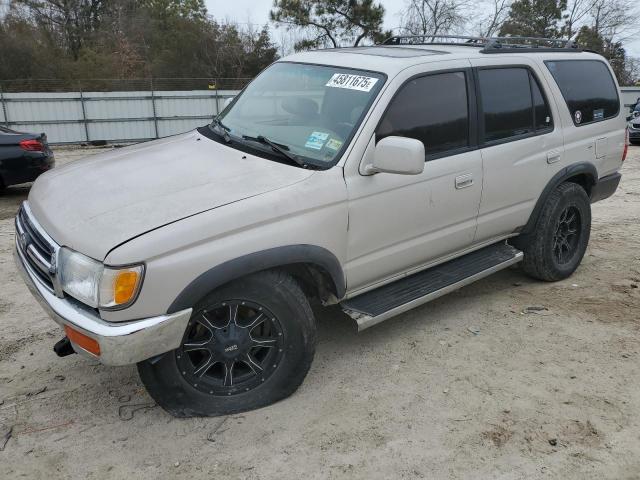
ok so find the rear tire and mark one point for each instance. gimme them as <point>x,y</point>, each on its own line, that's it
<point>556,247</point>
<point>248,345</point>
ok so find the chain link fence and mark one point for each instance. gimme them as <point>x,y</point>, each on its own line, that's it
<point>121,85</point>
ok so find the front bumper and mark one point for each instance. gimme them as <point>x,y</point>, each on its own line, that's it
<point>120,343</point>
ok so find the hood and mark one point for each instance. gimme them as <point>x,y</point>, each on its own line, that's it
<point>95,204</point>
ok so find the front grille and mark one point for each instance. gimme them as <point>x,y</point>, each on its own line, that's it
<point>37,248</point>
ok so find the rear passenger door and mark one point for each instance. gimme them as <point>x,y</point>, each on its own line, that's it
<point>520,141</point>
<point>592,114</point>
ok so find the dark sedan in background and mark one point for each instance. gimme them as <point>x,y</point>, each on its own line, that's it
<point>23,157</point>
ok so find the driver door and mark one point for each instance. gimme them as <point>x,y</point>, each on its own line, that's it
<point>402,222</point>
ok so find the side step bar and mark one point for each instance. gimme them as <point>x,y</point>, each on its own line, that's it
<point>377,305</point>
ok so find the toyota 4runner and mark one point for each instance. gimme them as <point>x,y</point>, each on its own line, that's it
<point>376,178</point>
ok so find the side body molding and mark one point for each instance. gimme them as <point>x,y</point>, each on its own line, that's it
<point>258,261</point>
<point>584,169</point>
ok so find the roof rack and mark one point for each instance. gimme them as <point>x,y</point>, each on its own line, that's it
<point>488,44</point>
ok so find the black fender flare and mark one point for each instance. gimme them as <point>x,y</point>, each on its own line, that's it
<point>256,262</point>
<point>581,168</point>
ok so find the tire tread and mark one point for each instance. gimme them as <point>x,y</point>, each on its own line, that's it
<point>165,384</point>
<point>537,262</point>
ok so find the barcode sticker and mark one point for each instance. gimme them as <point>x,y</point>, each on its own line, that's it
<point>352,82</point>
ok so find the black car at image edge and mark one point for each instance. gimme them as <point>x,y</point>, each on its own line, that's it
<point>23,157</point>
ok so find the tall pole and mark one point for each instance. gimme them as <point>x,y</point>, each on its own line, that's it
<point>84,115</point>
<point>215,83</point>
<point>153,105</point>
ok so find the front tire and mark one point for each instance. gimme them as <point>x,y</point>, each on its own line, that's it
<point>247,345</point>
<point>556,247</point>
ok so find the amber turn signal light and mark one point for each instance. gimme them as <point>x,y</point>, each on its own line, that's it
<point>124,286</point>
<point>82,340</point>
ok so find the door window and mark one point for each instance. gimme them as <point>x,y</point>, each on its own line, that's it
<point>588,88</point>
<point>506,103</point>
<point>433,109</point>
<point>513,104</point>
<point>543,120</point>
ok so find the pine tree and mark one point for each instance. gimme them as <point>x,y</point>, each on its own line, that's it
<point>534,18</point>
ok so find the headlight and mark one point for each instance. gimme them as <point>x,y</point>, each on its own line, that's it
<point>96,285</point>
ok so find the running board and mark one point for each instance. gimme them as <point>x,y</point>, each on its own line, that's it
<point>377,305</point>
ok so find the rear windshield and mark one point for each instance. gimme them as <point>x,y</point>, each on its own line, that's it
<point>588,88</point>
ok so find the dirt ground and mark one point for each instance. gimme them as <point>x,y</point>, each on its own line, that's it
<point>468,386</point>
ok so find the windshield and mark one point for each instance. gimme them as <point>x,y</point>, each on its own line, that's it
<point>309,111</point>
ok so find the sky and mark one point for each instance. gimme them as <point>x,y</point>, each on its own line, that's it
<point>257,12</point>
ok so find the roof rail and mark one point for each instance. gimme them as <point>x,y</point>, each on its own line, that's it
<point>435,40</point>
<point>488,44</point>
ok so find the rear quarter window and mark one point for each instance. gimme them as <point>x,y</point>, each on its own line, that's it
<point>588,89</point>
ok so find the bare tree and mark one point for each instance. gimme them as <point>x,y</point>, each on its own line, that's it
<point>490,23</point>
<point>433,17</point>
<point>4,8</point>
<point>576,12</point>
<point>633,71</point>
<point>75,19</point>
<point>614,19</point>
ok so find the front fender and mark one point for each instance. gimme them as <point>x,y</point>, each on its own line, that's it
<point>256,262</point>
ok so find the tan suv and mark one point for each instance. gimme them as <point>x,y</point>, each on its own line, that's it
<point>377,178</point>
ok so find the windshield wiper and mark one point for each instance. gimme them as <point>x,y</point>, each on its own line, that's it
<point>225,130</point>
<point>281,149</point>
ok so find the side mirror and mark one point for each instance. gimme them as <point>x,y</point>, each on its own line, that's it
<point>401,155</point>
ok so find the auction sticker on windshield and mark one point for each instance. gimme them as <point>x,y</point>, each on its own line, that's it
<point>334,144</point>
<point>316,140</point>
<point>352,82</point>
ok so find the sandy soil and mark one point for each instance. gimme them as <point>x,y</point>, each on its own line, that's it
<point>549,394</point>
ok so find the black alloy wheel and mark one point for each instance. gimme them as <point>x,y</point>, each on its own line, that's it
<point>248,344</point>
<point>230,348</point>
<point>559,240</point>
<point>567,235</point>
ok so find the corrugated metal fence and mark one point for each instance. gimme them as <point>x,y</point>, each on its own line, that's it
<point>124,116</point>
<point>74,117</point>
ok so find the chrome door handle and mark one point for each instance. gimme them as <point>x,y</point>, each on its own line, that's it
<point>553,157</point>
<point>464,181</point>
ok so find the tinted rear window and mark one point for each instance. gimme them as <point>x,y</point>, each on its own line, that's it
<point>588,88</point>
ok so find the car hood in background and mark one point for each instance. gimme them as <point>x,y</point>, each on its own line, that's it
<point>97,203</point>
